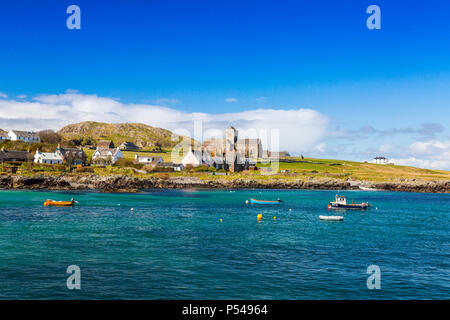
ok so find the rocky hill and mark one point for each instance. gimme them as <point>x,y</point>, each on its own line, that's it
<point>142,135</point>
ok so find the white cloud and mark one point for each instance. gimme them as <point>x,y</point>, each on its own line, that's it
<point>321,147</point>
<point>422,163</point>
<point>3,95</point>
<point>431,154</point>
<point>432,147</point>
<point>300,130</point>
<point>231,100</point>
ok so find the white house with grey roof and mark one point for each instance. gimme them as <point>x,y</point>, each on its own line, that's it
<point>380,160</point>
<point>110,155</point>
<point>147,160</point>
<point>48,157</point>
<point>25,136</point>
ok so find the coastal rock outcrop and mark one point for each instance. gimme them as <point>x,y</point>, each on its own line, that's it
<point>126,183</point>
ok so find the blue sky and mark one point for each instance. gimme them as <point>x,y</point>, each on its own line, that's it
<point>375,87</point>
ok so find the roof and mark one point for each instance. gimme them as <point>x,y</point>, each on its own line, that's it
<point>104,151</point>
<point>170,164</point>
<point>105,144</point>
<point>25,134</point>
<point>153,161</point>
<point>128,145</point>
<point>198,155</point>
<point>73,153</point>
<point>49,155</point>
<point>380,158</point>
<point>6,155</point>
<point>277,154</point>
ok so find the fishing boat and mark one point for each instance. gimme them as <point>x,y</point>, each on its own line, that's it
<point>50,202</point>
<point>254,201</point>
<point>332,218</point>
<point>340,202</point>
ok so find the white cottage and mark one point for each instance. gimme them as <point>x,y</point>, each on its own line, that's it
<point>380,160</point>
<point>110,155</point>
<point>48,157</point>
<point>192,158</point>
<point>147,160</point>
<point>25,136</point>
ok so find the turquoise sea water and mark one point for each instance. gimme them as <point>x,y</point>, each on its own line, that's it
<point>173,245</point>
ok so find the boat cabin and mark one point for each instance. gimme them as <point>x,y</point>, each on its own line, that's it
<point>340,199</point>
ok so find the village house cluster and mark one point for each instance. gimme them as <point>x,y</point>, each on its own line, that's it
<point>229,153</point>
<point>74,156</point>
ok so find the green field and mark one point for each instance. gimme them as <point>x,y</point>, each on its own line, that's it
<point>341,169</point>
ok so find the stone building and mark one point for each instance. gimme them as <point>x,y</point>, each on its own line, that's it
<point>246,148</point>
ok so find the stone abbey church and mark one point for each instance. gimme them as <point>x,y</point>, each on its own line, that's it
<point>229,153</point>
<point>245,148</point>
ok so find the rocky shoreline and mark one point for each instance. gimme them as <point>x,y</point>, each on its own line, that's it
<point>124,183</point>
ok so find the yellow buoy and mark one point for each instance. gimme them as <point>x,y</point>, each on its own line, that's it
<point>275,218</point>
<point>220,219</point>
<point>259,216</point>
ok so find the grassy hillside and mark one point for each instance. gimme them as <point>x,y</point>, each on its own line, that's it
<point>140,134</point>
<point>341,169</point>
<point>322,168</point>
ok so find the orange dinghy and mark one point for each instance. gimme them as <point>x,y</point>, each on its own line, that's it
<point>49,202</point>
